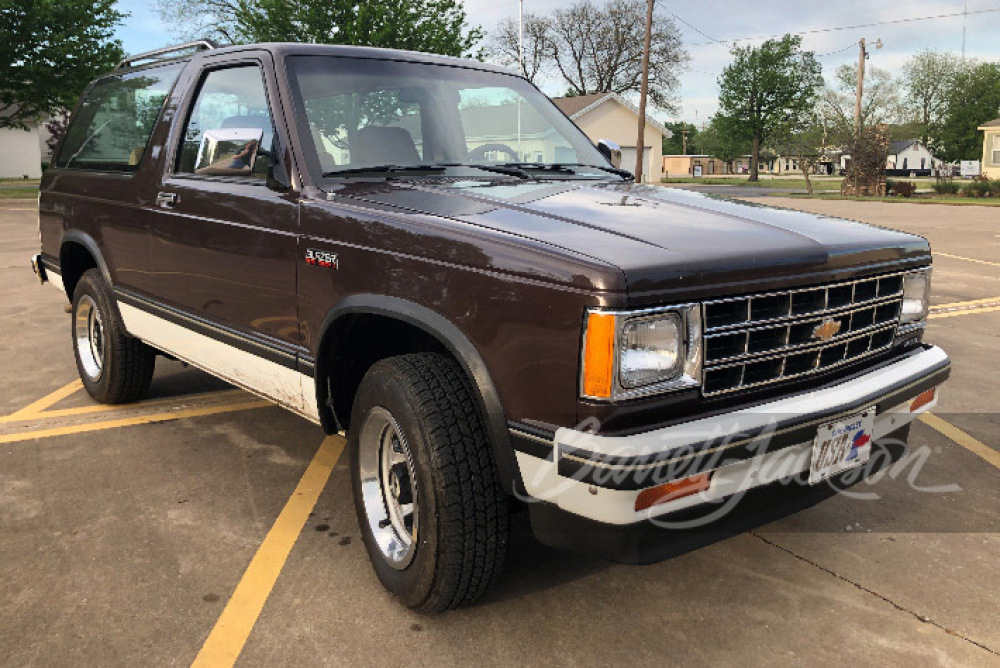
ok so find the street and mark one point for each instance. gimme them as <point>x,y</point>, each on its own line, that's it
<point>204,523</point>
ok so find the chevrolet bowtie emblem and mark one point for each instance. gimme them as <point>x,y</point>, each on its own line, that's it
<point>826,330</point>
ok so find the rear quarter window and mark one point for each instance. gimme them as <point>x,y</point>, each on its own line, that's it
<point>115,119</point>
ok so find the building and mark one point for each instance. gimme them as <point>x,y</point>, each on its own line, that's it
<point>22,152</point>
<point>692,165</point>
<point>609,116</point>
<point>991,148</point>
<point>909,157</point>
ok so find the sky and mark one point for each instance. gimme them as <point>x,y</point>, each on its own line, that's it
<point>712,22</point>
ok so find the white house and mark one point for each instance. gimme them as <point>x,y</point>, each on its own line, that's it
<point>910,156</point>
<point>24,151</point>
<point>609,116</point>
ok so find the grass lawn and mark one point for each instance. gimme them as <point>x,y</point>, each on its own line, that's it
<point>16,182</point>
<point>19,193</point>
<point>818,184</point>
<point>945,199</point>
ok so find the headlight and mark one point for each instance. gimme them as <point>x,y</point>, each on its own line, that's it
<point>651,350</point>
<point>637,353</point>
<point>916,295</point>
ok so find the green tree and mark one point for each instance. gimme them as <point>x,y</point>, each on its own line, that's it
<point>973,99</point>
<point>768,87</point>
<point>804,140</point>
<point>50,51</point>
<point>927,78</point>
<point>725,140</point>
<point>676,145</point>
<point>433,26</point>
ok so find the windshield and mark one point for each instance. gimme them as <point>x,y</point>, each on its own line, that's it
<point>363,113</point>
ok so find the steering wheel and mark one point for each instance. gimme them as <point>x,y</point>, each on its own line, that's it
<point>479,153</point>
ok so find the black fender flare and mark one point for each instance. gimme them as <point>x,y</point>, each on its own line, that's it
<point>455,341</point>
<point>88,242</point>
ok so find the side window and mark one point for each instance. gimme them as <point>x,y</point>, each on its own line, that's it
<point>112,126</point>
<point>229,130</point>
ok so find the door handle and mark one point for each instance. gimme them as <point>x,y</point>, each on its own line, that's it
<point>166,200</point>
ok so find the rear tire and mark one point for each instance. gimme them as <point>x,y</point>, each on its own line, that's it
<point>115,368</point>
<point>432,514</point>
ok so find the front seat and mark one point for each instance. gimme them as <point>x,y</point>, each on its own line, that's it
<point>374,145</point>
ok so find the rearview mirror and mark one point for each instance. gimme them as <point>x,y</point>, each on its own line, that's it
<point>228,152</point>
<point>611,151</point>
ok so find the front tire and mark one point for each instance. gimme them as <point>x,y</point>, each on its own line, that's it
<point>115,368</point>
<point>433,517</point>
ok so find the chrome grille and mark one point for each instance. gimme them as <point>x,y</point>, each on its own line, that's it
<point>760,339</point>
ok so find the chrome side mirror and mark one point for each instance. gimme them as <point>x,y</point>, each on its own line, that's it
<point>611,151</point>
<point>228,152</point>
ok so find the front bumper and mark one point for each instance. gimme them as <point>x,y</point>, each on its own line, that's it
<point>599,477</point>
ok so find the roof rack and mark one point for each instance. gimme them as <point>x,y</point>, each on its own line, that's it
<point>158,54</point>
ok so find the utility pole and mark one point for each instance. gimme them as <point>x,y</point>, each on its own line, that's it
<point>641,142</point>
<point>861,86</point>
<point>520,35</point>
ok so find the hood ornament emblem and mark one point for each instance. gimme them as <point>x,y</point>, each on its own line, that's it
<point>826,330</point>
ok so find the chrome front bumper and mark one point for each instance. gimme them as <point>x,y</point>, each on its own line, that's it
<point>599,477</point>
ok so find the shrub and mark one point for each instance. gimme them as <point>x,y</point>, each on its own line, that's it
<point>946,187</point>
<point>977,188</point>
<point>904,188</point>
<point>890,185</point>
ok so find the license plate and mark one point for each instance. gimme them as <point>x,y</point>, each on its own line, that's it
<point>841,445</point>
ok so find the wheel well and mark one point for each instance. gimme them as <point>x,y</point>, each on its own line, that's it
<point>74,260</point>
<point>352,344</point>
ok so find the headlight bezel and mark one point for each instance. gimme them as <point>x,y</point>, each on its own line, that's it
<point>686,375</point>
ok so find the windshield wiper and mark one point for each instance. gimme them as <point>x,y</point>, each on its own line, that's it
<point>385,169</point>
<point>624,173</point>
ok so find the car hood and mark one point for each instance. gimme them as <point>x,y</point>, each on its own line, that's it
<point>669,243</point>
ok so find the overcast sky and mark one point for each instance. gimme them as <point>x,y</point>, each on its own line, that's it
<point>725,21</point>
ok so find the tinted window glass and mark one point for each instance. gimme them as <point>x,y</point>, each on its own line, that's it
<point>229,131</point>
<point>112,126</point>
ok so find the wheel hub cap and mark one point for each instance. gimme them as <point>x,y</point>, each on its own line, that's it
<point>388,487</point>
<point>88,328</point>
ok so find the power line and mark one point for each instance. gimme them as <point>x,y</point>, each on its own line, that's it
<point>700,32</point>
<point>852,27</point>
<point>833,53</point>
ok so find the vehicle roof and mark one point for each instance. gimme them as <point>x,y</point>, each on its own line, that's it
<point>283,49</point>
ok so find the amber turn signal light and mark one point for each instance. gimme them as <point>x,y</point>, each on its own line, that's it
<point>598,355</point>
<point>923,399</point>
<point>670,491</point>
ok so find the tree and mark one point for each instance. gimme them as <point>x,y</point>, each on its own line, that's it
<point>433,26</point>
<point>598,49</point>
<point>927,78</point>
<point>51,50</point>
<point>504,48</point>
<point>676,145</point>
<point>725,140</point>
<point>766,88</point>
<point>806,140</point>
<point>973,99</point>
<point>880,102</point>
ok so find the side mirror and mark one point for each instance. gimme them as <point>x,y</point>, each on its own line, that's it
<point>611,151</point>
<point>228,152</point>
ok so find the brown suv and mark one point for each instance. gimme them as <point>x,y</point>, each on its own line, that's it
<point>425,253</point>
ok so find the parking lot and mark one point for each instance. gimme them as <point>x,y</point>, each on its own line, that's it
<point>204,525</point>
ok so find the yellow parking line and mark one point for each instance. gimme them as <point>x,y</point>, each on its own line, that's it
<point>966,311</point>
<point>46,401</point>
<point>230,633</point>
<point>184,400</point>
<point>971,302</point>
<point>974,446</point>
<point>969,259</point>
<point>132,421</point>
